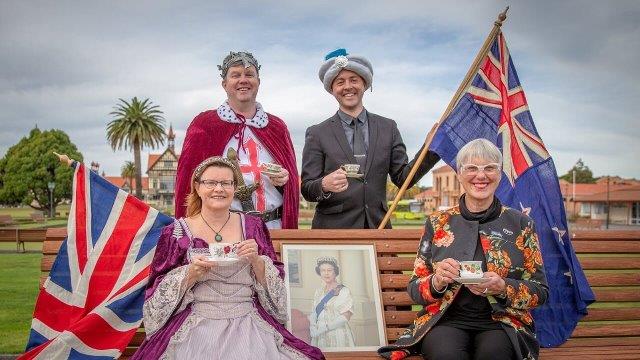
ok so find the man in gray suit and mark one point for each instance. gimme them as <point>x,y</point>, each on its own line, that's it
<point>353,136</point>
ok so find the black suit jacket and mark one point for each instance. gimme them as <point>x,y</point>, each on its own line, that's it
<point>326,148</point>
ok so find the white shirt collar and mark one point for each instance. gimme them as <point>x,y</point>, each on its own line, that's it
<point>259,120</point>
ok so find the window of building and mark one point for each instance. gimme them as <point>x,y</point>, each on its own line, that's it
<point>635,213</point>
<point>598,208</point>
<point>585,209</point>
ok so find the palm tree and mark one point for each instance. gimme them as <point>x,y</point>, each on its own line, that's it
<point>136,124</point>
<point>128,171</point>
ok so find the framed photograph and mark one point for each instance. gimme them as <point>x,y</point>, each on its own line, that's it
<point>334,296</point>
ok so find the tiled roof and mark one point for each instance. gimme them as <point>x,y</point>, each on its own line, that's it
<point>443,169</point>
<point>120,181</point>
<point>625,194</point>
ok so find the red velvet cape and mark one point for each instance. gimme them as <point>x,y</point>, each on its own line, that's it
<point>208,135</point>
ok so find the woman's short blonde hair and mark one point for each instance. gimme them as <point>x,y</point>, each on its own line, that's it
<point>193,202</point>
<point>478,149</point>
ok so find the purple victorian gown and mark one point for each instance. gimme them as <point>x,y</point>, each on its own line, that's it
<point>227,314</point>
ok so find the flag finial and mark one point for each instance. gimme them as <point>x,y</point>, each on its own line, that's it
<point>502,17</point>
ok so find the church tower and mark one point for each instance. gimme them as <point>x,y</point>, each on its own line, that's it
<point>171,139</point>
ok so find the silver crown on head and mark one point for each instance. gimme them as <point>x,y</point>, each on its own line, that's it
<point>327,259</point>
<point>237,58</point>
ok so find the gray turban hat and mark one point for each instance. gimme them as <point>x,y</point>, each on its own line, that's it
<point>339,60</point>
<point>238,58</point>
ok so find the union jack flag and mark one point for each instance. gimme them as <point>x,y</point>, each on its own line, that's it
<point>494,107</point>
<point>91,304</point>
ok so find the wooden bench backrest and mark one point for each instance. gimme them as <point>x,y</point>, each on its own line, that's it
<point>611,260</point>
<point>6,219</point>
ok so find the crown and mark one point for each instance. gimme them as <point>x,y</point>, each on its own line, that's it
<point>327,259</point>
<point>210,161</point>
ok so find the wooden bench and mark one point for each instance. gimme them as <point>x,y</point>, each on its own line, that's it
<point>6,220</point>
<point>37,216</point>
<point>20,236</point>
<point>611,260</point>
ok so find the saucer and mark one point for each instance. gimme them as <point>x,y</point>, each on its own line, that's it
<point>355,176</point>
<point>221,260</point>
<point>470,281</point>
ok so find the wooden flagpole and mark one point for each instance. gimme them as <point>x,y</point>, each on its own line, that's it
<point>452,104</point>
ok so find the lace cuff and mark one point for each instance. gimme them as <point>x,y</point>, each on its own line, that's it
<point>273,296</point>
<point>157,309</point>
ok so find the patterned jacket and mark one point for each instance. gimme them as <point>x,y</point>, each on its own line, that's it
<point>511,249</point>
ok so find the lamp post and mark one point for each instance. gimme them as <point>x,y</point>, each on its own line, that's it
<point>51,185</point>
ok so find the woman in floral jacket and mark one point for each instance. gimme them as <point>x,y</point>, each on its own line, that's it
<point>486,320</point>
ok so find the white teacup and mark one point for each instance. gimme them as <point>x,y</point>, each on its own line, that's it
<point>350,168</point>
<point>223,252</point>
<point>470,269</point>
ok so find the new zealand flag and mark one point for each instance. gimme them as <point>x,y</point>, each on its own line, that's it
<point>494,107</point>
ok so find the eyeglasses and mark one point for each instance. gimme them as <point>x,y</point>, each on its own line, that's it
<point>473,169</point>
<point>212,184</point>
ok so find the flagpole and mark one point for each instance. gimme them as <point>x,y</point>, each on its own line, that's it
<point>452,104</point>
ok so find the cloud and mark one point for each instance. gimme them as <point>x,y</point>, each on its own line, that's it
<point>65,64</point>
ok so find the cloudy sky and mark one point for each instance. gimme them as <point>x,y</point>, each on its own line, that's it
<point>64,65</point>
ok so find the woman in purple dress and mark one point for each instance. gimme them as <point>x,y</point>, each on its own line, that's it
<point>200,309</point>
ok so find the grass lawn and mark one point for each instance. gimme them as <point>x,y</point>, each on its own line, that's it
<point>19,276</point>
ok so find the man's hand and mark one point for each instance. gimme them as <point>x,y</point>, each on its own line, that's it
<point>335,182</point>
<point>280,178</point>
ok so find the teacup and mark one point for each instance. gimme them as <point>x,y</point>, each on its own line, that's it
<point>271,167</point>
<point>470,269</point>
<point>350,168</point>
<point>222,251</point>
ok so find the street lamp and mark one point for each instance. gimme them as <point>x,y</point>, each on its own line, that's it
<point>51,185</point>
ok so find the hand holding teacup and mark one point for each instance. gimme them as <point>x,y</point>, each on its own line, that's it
<point>248,250</point>
<point>445,273</point>
<point>493,285</point>
<point>276,173</point>
<point>335,182</point>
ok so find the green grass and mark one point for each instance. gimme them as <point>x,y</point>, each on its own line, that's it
<point>19,278</point>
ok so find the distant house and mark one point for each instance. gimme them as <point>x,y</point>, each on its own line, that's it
<point>123,183</point>
<point>158,188</point>
<point>446,187</point>
<point>428,200</point>
<point>590,200</point>
<point>162,169</point>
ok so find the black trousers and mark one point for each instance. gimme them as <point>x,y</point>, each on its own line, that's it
<point>449,343</point>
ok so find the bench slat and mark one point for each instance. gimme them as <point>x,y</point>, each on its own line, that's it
<point>611,246</point>
<point>610,263</point>
<point>400,281</point>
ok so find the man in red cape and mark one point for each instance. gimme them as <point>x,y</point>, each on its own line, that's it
<point>258,138</point>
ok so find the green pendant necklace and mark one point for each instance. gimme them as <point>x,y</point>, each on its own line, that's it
<point>218,237</point>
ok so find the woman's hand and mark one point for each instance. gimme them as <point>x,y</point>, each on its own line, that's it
<point>248,249</point>
<point>494,285</point>
<point>280,178</point>
<point>198,267</point>
<point>445,272</point>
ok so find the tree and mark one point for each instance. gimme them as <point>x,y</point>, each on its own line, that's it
<point>583,174</point>
<point>128,171</point>
<point>30,165</point>
<point>136,124</point>
<point>409,194</point>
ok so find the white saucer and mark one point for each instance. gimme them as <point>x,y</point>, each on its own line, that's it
<point>355,176</point>
<point>221,260</point>
<point>470,281</point>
